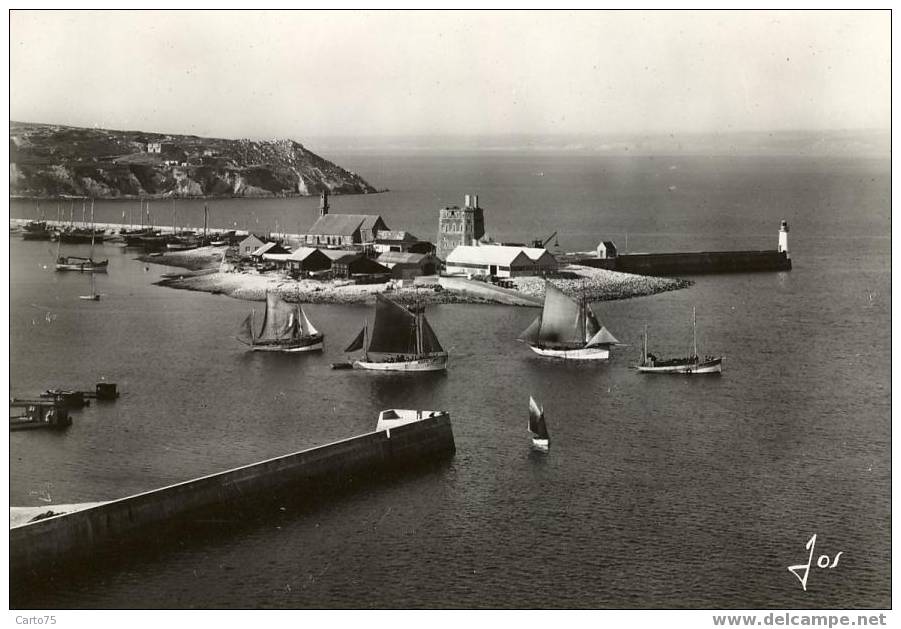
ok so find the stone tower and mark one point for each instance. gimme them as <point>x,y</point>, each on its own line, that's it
<point>460,226</point>
<point>323,203</point>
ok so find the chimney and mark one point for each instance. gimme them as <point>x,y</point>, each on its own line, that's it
<point>323,203</point>
<point>475,200</point>
<point>466,200</point>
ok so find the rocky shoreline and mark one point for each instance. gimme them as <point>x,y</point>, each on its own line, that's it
<point>207,272</point>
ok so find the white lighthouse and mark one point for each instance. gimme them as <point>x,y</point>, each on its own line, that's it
<point>783,239</point>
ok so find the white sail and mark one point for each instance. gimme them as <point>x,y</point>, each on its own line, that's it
<point>306,326</point>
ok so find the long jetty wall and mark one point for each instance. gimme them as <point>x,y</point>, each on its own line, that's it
<point>697,263</point>
<point>37,547</point>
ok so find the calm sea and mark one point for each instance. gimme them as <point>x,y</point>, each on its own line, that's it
<point>657,491</point>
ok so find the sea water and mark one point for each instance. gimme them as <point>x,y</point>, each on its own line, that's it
<point>657,491</point>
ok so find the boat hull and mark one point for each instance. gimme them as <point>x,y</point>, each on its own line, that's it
<point>430,363</point>
<point>704,367</point>
<point>542,445</point>
<point>292,348</point>
<point>585,353</point>
<point>83,267</point>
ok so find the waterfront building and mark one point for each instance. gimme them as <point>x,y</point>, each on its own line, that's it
<point>606,249</point>
<point>408,265</point>
<point>460,226</point>
<point>341,230</point>
<point>356,264</point>
<point>500,261</point>
<point>402,241</point>
<point>308,260</point>
<point>250,244</point>
<point>264,252</point>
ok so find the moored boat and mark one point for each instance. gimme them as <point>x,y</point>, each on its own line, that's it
<point>286,328</point>
<point>688,365</point>
<point>541,440</point>
<point>401,340</point>
<point>79,263</point>
<point>567,328</point>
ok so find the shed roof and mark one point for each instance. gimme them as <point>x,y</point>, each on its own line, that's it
<point>264,248</point>
<point>394,235</point>
<point>303,253</point>
<point>397,257</point>
<point>343,224</point>
<point>337,254</point>
<point>495,254</point>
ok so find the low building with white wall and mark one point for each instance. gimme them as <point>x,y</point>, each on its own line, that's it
<point>500,261</point>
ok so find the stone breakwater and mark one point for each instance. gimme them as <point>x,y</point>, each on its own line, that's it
<point>208,273</point>
<point>601,285</point>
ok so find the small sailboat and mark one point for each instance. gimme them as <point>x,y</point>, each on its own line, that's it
<point>568,329</point>
<point>538,427</point>
<point>94,296</point>
<point>78,263</point>
<point>286,328</point>
<point>693,364</point>
<point>401,340</point>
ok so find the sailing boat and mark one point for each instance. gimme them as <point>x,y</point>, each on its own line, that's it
<point>567,328</point>
<point>77,263</point>
<point>94,296</point>
<point>693,364</point>
<point>538,427</point>
<point>285,328</point>
<point>400,339</point>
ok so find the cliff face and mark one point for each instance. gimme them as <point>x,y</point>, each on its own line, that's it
<point>53,161</point>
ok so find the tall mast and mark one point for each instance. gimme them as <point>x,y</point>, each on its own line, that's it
<point>91,257</point>
<point>206,213</point>
<point>644,357</point>
<point>365,339</point>
<point>694,331</point>
<point>419,333</point>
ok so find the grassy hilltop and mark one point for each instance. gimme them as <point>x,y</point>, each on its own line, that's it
<point>55,161</point>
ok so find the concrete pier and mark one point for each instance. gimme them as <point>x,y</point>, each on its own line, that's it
<point>47,544</point>
<point>696,263</point>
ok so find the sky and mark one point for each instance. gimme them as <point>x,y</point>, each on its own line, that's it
<point>306,74</point>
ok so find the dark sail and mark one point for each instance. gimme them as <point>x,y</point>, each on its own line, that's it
<point>357,343</point>
<point>537,425</point>
<point>394,330</point>
<point>592,325</point>
<point>430,343</point>
<point>245,332</point>
<point>562,321</point>
<point>530,334</point>
<point>281,321</point>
